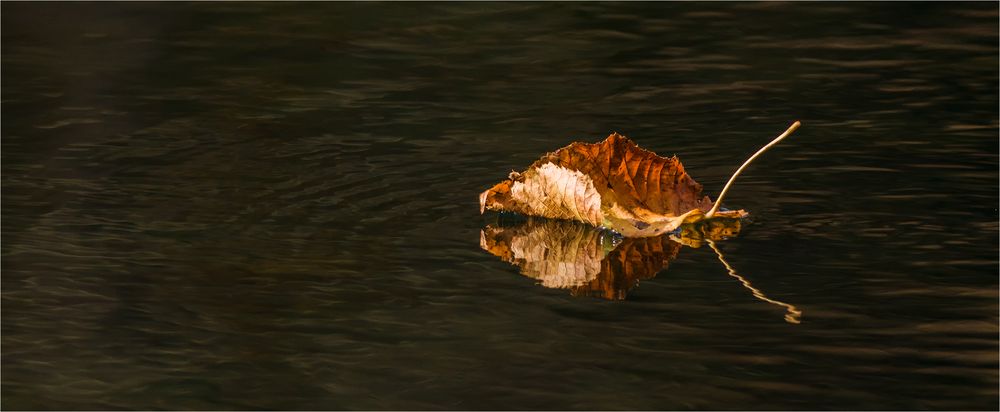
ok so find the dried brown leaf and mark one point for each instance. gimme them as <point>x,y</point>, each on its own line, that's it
<point>613,184</point>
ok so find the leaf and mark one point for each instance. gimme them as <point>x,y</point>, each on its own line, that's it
<point>613,184</point>
<point>591,262</point>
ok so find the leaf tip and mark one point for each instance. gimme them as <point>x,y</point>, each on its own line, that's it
<point>495,198</point>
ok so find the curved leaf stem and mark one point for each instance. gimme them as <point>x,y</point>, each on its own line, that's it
<point>718,201</point>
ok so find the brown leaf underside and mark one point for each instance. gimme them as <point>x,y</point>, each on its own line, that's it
<point>640,193</point>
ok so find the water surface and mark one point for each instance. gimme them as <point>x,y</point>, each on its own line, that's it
<point>257,205</point>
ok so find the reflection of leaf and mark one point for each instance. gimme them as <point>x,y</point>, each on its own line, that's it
<point>694,234</point>
<point>560,254</point>
<point>613,184</point>
<point>588,261</point>
<point>633,260</point>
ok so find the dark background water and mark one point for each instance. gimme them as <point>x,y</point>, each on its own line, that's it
<point>260,205</point>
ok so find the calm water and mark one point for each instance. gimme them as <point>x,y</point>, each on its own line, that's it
<point>220,206</point>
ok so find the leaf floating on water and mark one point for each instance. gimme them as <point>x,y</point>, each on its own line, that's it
<point>614,184</point>
<point>590,262</point>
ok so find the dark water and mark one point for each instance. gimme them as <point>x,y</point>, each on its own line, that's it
<point>219,206</point>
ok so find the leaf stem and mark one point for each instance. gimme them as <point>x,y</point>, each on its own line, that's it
<point>718,201</point>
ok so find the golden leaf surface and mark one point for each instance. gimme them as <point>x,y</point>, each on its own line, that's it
<point>613,184</point>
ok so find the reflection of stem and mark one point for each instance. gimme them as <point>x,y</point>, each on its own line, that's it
<point>793,313</point>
